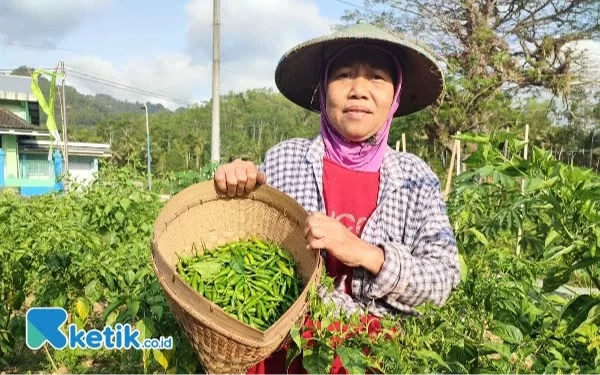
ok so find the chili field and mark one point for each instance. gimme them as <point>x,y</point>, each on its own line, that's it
<point>526,230</point>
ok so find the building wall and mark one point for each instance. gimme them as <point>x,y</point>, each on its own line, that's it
<point>33,191</point>
<point>82,168</point>
<point>36,167</point>
<point>9,145</point>
<point>18,108</point>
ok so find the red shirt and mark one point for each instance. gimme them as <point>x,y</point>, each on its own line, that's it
<point>350,197</point>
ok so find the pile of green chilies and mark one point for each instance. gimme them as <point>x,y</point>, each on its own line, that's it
<point>254,281</point>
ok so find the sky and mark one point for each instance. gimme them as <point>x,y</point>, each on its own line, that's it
<point>161,46</point>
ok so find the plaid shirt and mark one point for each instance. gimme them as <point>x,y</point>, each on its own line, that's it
<point>410,224</point>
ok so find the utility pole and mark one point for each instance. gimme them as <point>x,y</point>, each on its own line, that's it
<point>148,148</point>
<point>216,127</point>
<point>64,113</point>
<point>592,147</point>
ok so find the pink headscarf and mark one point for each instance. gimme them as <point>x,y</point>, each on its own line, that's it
<point>363,156</point>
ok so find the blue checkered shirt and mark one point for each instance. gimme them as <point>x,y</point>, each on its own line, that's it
<point>410,224</point>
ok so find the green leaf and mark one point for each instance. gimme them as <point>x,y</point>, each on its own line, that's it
<point>120,217</point>
<point>111,319</point>
<point>428,354</point>
<point>486,171</point>
<point>132,308</point>
<point>208,269</point>
<point>158,311</point>
<point>60,301</point>
<point>463,354</point>
<point>109,309</point>
<point>480,236</point>
<point>161,359</point>
<point>125,203</point>
<point>551,237</point>
<point>295,334</point>
<point>18,300</point>
<point>110,282</point>
<point>540,184</point>
<point>592,194</point>
<point>82,309</point>
<point>577,310</point>
<point>555,277</point>
<point>91,290</point>
<point>318,359</point>
<point>237,263</point>
<point>79,323</point>
<point>472,138</point>
<point>502,179</point>
<point>464,268</point>
<point>507,332</point>
<point>494,347</point>
<point>558,251</point>
<point>353,359</point>
<point>585,263</point>
<point>146,328</point>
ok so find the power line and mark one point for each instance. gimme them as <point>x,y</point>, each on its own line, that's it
<point>156,96</point>
<point>80,72</point>
<point>77,73</point>
<point>122,86</point>
<point>96,79</point>
<point>355,5</point>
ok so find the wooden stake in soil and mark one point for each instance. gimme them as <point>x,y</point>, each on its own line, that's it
<point>403,142</point>
<point>458,160</point>
<point>520,232</point>
<point>450,170</point>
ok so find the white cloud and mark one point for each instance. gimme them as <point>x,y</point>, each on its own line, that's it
<point>43,22</point>
<point>254,35</point>
<point>174,75</point>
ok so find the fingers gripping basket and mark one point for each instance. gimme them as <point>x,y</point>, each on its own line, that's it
<point>199,215</point>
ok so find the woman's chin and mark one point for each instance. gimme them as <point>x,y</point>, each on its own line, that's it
<point>353,133</point>
<point>356,138</point>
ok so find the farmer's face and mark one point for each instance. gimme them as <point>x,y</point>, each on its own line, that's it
<point>360,92</point>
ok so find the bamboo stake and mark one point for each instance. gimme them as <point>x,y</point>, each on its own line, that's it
<point>450,170</point>
<point>520,233</point>
<point>397,145</point>
<point>458,156</point>
<point>403,142</point>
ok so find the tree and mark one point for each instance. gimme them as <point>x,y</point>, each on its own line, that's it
<point>494,50</point>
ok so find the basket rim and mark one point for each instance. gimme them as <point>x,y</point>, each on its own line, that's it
<point>160,264</point>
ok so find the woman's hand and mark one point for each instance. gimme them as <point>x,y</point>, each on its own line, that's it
<point>324,232</point>
<point>238,177</point>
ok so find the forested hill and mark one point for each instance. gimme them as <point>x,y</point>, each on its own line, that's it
<point>88,110</point>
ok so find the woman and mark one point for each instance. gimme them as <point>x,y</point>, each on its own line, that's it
<point>378,214</point>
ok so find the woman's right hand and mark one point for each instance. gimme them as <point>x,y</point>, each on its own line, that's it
<point>238,177</point>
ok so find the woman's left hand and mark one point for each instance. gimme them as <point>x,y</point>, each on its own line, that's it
<point>324,232</point>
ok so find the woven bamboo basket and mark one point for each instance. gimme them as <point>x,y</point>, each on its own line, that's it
<point>201,215</point>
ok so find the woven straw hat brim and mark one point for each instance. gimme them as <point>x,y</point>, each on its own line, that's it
<point>298,73</point>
